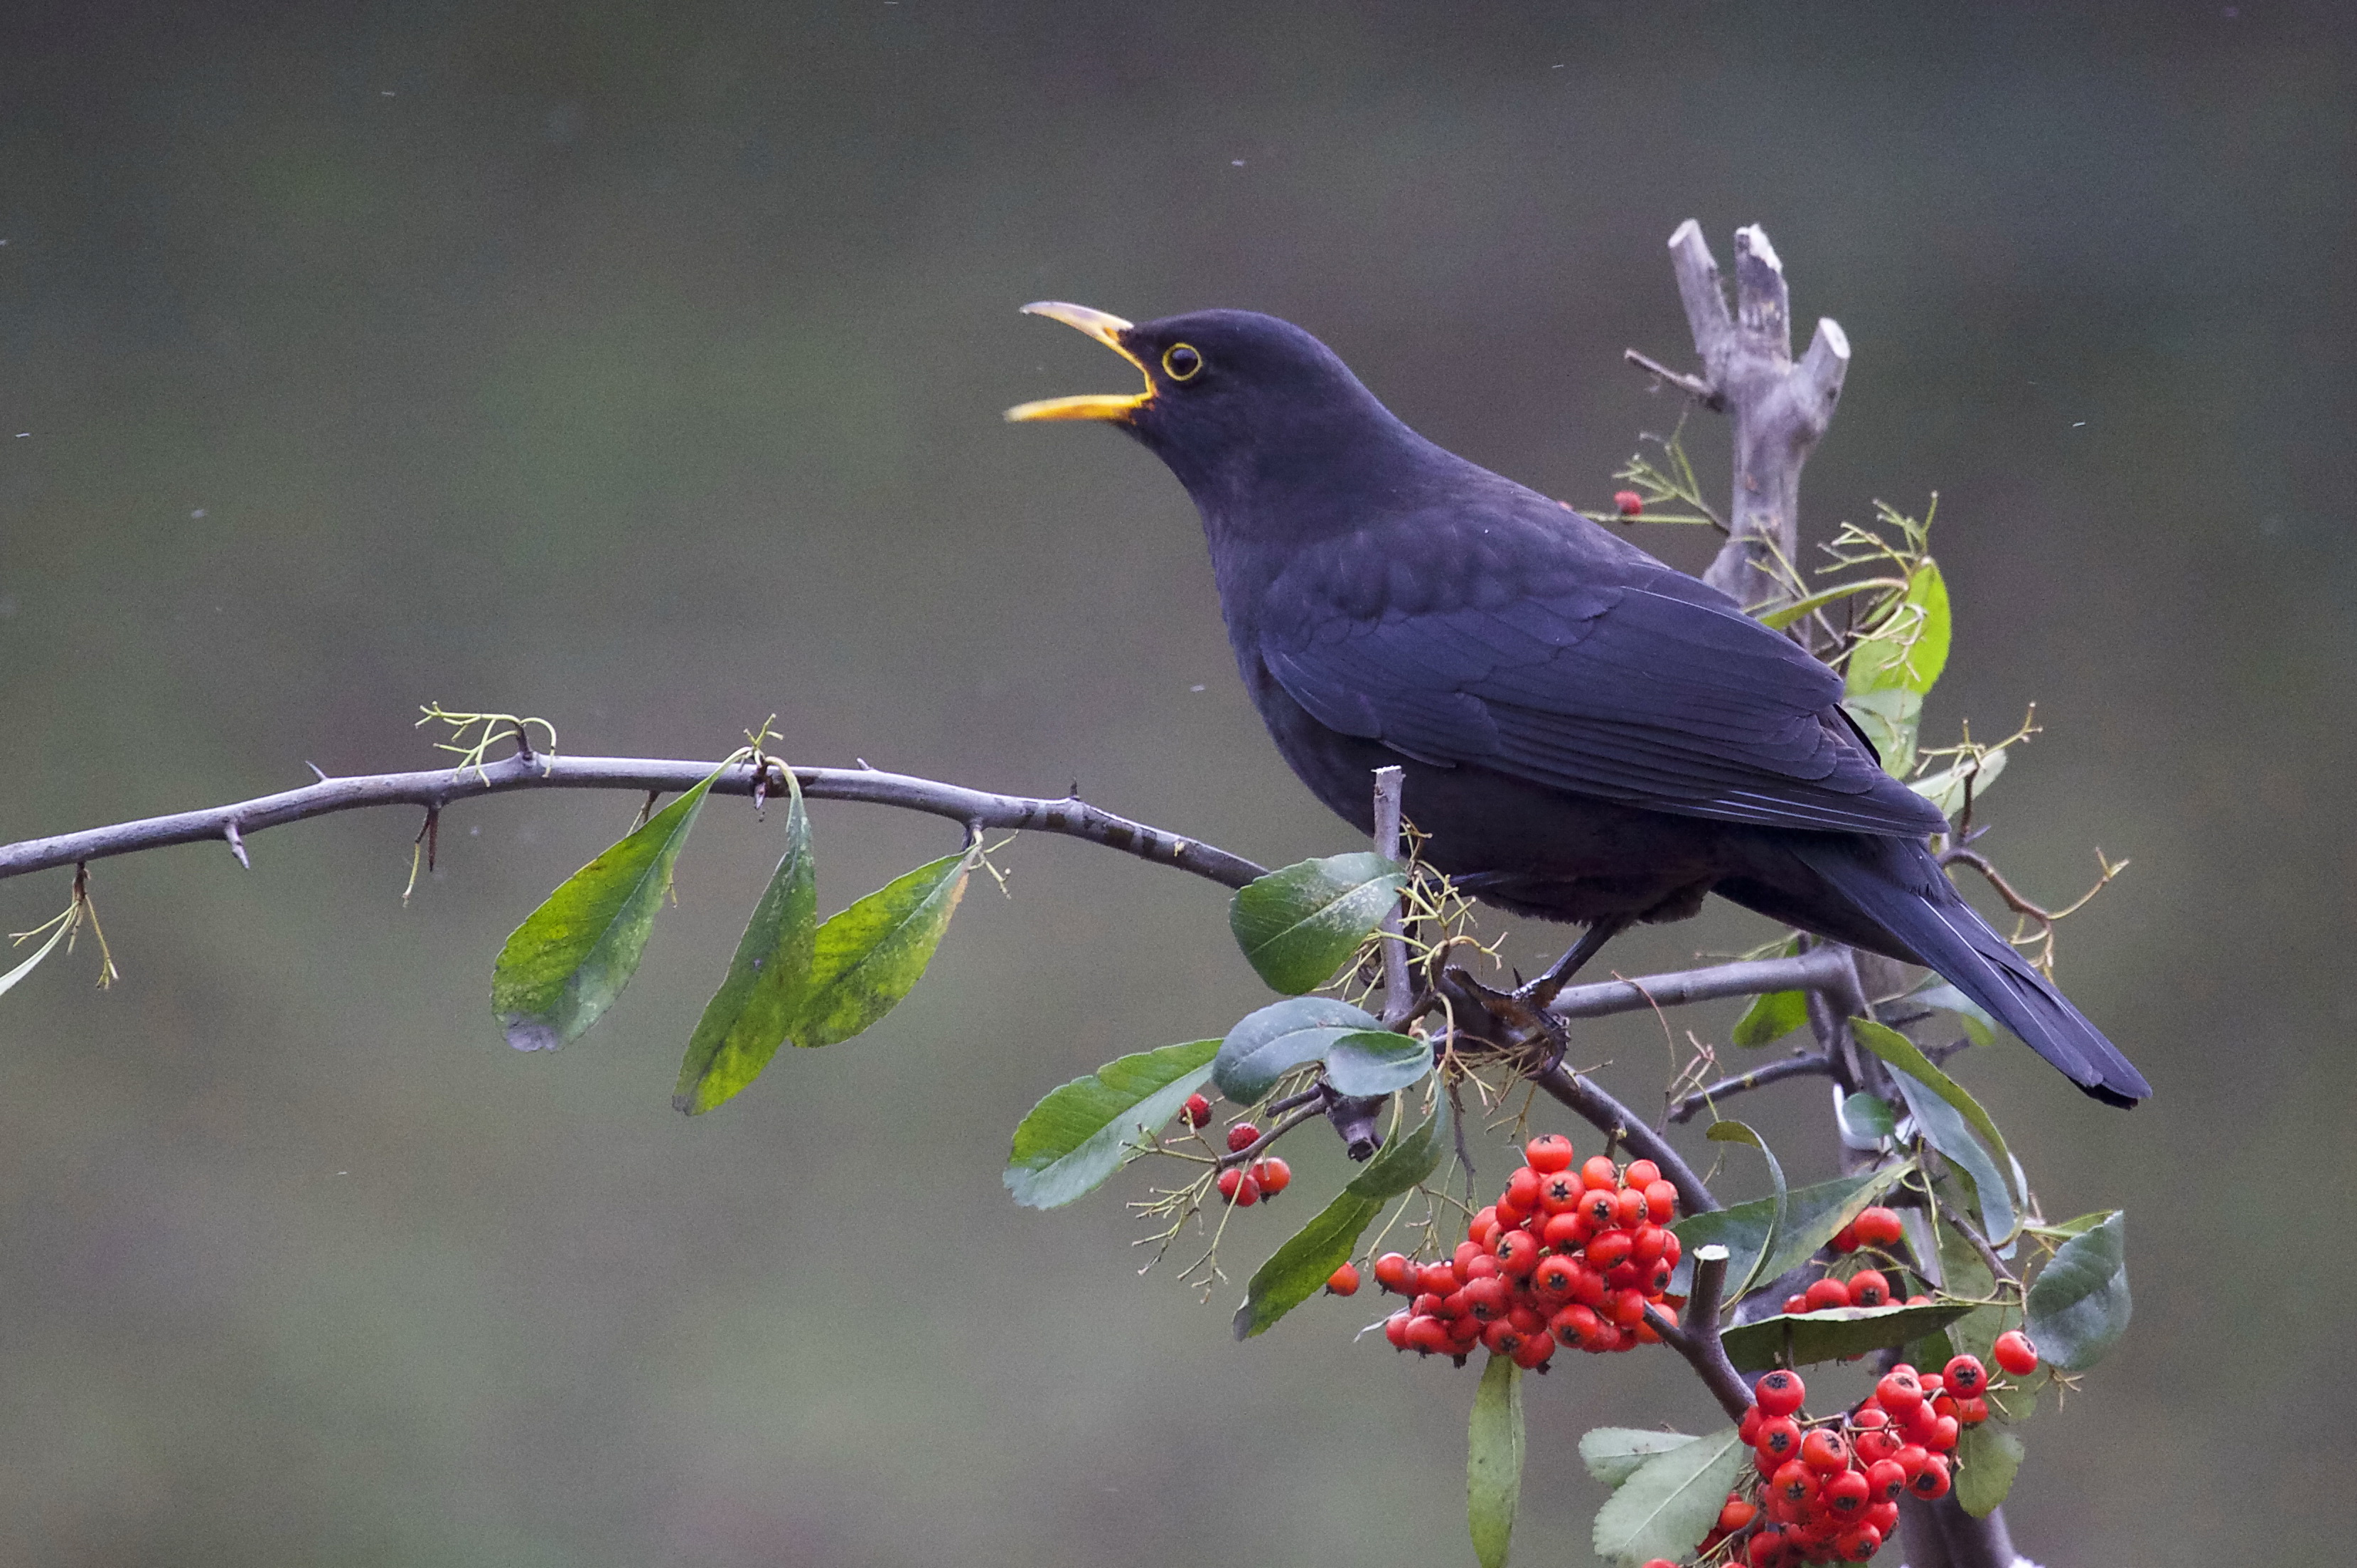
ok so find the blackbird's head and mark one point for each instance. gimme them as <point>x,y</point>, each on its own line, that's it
<point>1233,400</point>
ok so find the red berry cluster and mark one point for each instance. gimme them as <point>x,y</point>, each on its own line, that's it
<point>1876,1227</point>
<point>1829,1489</point>
<point>1564,1257</point>
<point>1246,1185</point>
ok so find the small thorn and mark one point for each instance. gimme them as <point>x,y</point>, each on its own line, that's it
<point>236,845</point>
<point>866,764</point>
<point>318,769</point>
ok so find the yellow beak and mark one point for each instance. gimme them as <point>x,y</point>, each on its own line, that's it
<point>1107,330</point>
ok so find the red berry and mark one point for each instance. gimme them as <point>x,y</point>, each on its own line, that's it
<point>1822,1449</point>
<point>1793,1304</point>
<point>1628,502</point>
<point>1239,1189</point>
<point>2014,1353</point>
<point>1873,1447</point>
<point>1522,1190</point>
<point>1748,1431</point>
<point>1845,1495</point>
<point>1631,1205</point>
<point>1778,1440</point>
<point>1553,1279</point>
<point>1626,1307</point>
<point>1560,1191</point>
<point>1964,1377</point>
<point>1869,1288</point>
<point>1461,1261</point>
<point>1931,1481</point>
<point>1395,1328</point>
<point>1438,1279</point>
<point>1780,1392</point>
<point>1501,1339</point>
<point>1273,1175</point>
<point>1845,1239</point>
<point>1660,1202</point>
<point>1612,1250</point>
<point>1488,1299</point>
<point>1426,1335</point>
<point>1646,1243</point>
<point>1198,1111</point>
<point>1600,1208</point>
<point>1640,1174</point>
<point>1548,1154</point>
<point>1343,1281</point>
<point>1563,1231</point>
<point>1601,1173</point>
<point>1826,1292</point>
<point>1857,1543</point>
<point>1944,1432</point>
<point>1911,1459</point>
<point>1879,1226</point>
<point>1795,1482</point>
<point>1393,1271</point>
<point>1972,1411</point>
<point>1241,1136</point>
<point>1886,1478</point>
<point>1736,1514</point>
<point>1899,1391</point>
<point>1576,1328</point>
<point>1517,1253</point>
<point>1537,1350</point>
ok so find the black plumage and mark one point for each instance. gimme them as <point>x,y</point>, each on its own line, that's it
<point>1586,734</point>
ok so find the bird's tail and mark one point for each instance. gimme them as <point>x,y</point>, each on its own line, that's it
<point>1898,886</point>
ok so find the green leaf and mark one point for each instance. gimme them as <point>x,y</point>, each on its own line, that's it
<point>2079,1305</point>
<point>572,956</point>
<point>865,958</point>
<point>1948,1132</point>
<point>1945,788</point>
<point>8,980</point>
<point>1266,1046</point>
<point>1771,1017</point>
<point>1493,1460</point>
<point>1907,648</point>
<point>1613,1453</point>
<point>748,1017</point>
<point>1297,1268</point>
<point>1671,1500</point>
<point>1832,1334</point>
<point>1987,1457</point>
<point>1890,719</point>
<point>1868,1116</point>
<point>1731,1132</point>
<point>1296,1271</point>
<point>1300,925</point>
<point>1811,1216</point>
<point>1901,1053</point>
<point>1371,1062</point>
<point>1080,1133</point>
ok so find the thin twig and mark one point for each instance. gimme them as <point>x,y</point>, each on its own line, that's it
<point>1820,969</point>
<point>438,787</point>
<point>1801,1064</point>
<point>1695,387</point>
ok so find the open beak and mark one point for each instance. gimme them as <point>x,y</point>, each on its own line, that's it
<point>1105,329</point>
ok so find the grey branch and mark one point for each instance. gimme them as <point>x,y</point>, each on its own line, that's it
<point>1781,409</point>
<point>1698,1339</point>
<point>439,787</point>
<point>1820,968</point>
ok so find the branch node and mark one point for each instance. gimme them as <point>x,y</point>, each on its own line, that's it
<point>236,843</point>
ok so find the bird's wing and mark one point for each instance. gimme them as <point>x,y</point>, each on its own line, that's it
<point>1653,695</point>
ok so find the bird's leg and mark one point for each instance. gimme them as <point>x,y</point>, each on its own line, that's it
<point>1539,993</point>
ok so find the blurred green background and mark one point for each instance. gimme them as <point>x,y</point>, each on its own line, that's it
<point>640,366</point>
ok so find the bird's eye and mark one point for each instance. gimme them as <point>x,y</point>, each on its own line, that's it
<point>1181,363</point>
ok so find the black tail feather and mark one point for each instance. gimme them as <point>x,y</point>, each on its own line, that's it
<point>1898,886</point>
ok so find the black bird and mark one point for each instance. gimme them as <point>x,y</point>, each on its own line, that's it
<point>1588,735</point>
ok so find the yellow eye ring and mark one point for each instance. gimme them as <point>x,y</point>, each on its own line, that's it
<point>1181,362</point>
